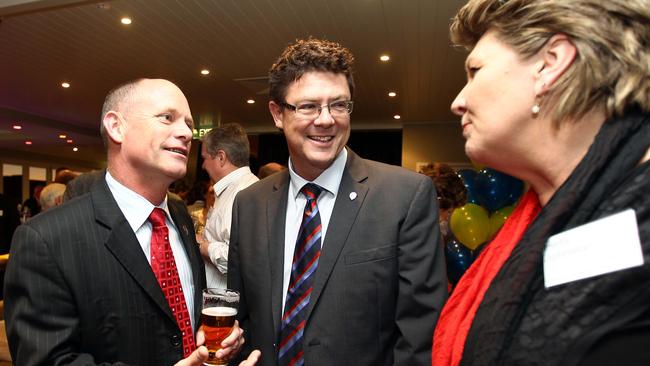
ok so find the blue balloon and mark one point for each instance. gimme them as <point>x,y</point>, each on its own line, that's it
<point>468,176</point>
<point>459,258</point>
<point>495,190</point>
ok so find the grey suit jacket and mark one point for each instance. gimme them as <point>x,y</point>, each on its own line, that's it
<point>79,289</point>
<point>381,279</point>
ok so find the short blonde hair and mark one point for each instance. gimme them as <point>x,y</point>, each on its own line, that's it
<point>612,38</point>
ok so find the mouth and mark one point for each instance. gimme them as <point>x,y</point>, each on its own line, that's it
<point>321,139</point>
<point>177,150</point>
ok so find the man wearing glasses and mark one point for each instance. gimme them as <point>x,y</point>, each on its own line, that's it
<point>338,258</point>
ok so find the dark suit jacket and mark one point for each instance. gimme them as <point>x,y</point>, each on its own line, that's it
<point>381,279</point>
<point>79,289</point>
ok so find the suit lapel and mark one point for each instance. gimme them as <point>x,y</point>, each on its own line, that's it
<point>123,244</point>
<point>343,217</point>
<point>276,221</point>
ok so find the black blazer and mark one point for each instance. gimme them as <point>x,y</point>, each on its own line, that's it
<point>79,289</point>
<point>381,279</point>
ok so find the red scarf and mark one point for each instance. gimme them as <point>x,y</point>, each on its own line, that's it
<point>458,313</point>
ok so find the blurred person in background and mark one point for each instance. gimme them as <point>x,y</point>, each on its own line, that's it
<point>270,168</point>
<point>51,196</point>
<point>451,192</point>
<point>225,153</point>
<point>558,95</point>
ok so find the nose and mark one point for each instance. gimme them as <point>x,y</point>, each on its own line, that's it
<point>459,105</point>
<point>325,118</point>
<point>184,131</point>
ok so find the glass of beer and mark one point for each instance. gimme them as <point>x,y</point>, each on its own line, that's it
<point>218,318</point>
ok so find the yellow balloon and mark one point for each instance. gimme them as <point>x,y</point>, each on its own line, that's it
<point>498,218</point>
<point>471,225</point>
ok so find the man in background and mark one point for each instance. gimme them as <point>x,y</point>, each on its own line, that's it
<point>51,196</point>
<point>115,276</point>
<point>338,258</point>
<point>225,153</point>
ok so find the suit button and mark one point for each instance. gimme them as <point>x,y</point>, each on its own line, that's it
<point>175,340</point>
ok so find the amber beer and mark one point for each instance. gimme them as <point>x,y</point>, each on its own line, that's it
<point>217,319</point>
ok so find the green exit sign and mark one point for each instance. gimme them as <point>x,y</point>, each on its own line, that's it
<point>197,133</point>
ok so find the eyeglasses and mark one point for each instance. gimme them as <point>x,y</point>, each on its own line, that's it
<point>340,108</point>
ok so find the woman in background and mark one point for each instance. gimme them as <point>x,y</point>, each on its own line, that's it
<point>558,95</point>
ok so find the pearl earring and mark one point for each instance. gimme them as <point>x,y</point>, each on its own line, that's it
<point>535,109</point>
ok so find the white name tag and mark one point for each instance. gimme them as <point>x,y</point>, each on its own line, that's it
<point>602,246</point>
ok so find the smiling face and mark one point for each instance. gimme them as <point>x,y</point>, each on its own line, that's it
<point>156,132</point>
<point>314,143</point>
<point>495,104</point>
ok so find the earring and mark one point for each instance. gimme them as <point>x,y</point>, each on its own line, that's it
<point>535,108</point>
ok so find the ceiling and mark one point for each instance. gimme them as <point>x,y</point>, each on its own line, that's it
<point>44,43</point>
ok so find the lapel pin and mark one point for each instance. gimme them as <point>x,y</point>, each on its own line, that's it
<point>187,232</point>
<point>353,195</point>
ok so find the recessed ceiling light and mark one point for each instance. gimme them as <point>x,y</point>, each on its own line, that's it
<point>392,94</point>
<point>250,101</point>
<point>65,84</point>
<point>384,58</point>
<point>17,127</point>
<point>28,142</point>
<point>75,149</point>
<point>125,20</point>
<point>205,72</point>
<point>397,116</point>
<point>62,136</point>
<point>69,141</point>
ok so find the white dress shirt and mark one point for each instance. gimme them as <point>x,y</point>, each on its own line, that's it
<point>217,227</point>
<point>329,180</point>
<point>136,209</point>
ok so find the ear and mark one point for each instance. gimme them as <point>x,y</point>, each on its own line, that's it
<point>556,57</point>
<point>114,126</point>
<point>276,112</point>
<point>221,157</point>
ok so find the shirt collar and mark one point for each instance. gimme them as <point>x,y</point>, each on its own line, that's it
<point>232,177</point>
<point>329,179</point>
<point>135,208</point>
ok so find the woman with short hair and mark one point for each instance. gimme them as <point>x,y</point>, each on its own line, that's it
<point>558,95</point>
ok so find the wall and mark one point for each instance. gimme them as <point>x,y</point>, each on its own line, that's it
<point>433,142</point>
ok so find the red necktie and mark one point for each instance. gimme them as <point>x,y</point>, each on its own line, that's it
<point>305,262</point>
<point>164,267</point>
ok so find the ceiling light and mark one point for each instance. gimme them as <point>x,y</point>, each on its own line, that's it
<point>62,136</point>
<point>397,116</point>
<point>205,72</point>
<point>17,127</point>
<point>65,84</point>
<point>250,101</point>
<point>392,94</point>
<point>69,141</point>
<point>28,142</point>
<point>75,149</point>
<point>384,58</point>
<point>125,20</point>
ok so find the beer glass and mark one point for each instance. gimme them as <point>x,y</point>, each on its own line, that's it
<point>218,318</point>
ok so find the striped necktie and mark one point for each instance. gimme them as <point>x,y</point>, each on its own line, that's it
<point>305,262</point>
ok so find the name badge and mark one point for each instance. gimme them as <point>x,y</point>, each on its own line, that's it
<point>603,246</point>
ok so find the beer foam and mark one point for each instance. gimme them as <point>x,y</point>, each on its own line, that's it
<point>219,311</point>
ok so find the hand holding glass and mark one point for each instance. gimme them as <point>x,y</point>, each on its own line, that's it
<point>218,318</point>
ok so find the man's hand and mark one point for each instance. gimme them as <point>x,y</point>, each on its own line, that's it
<point>232,344</point>
<point>200,354</point>
<point>252,359</point>
<point>229,348</point>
